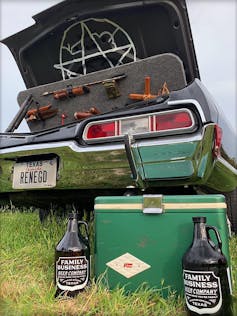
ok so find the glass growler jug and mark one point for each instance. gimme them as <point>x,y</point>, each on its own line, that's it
<point>207,283</point>
<point>72,259</point>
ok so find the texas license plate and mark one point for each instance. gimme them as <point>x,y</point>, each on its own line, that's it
<point>35,174</point>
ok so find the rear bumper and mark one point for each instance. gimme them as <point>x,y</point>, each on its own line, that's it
<point>168,161</point>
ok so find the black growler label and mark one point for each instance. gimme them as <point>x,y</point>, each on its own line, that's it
<point>202,291</point>
<point>72,273</point>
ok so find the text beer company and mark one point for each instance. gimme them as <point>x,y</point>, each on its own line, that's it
<point>206,276</point>
<point>72,259</point>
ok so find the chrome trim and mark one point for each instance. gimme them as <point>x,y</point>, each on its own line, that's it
<point>152,204</point>
<point>227,164</point>
<point>73,145</point>
<point>194,102</point>
<point>171,139</point>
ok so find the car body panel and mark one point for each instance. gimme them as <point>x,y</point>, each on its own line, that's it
<point>158,163</point>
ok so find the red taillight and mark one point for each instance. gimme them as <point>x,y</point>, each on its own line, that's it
<point>217,141</point>
<point>173,121</point>
<point>101,130</point>
<point>145,124</point>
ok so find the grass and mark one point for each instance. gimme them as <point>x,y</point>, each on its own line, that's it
<point>27,273</point>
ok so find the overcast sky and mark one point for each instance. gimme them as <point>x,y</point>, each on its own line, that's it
<point>213,24</point>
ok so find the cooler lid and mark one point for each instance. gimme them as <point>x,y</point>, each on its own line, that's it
<point>158,204</point>
<point>74,38</point>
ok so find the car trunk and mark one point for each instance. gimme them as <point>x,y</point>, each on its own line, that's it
<point>78,43</point>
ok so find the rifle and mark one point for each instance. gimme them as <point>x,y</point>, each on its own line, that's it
<point>79,90</point>
<point>20,114</point>
<point>41,113</point>
<point>82,115</point>
<point>68,92</point>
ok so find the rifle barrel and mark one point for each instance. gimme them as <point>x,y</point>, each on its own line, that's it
<point>87,84</point>
<point>20,115</point>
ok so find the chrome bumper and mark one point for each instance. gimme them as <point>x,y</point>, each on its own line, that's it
<point>167,161</point>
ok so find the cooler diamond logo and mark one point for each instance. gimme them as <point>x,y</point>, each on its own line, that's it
<point>128,265</point>
<point>93,44</point>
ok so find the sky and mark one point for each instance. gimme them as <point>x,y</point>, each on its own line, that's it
<point>213,24</point>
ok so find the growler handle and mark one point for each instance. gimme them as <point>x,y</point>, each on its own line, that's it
<point>86,228</point>
<point>218,237</point>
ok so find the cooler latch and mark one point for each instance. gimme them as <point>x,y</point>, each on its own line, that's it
<point>152,204</point>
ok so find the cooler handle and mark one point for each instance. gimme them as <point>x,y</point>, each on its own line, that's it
<point>218,237</point>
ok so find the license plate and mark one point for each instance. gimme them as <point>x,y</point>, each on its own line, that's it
<point>35,174</point>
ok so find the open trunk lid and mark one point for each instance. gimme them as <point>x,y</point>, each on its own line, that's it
<point>74,38</point>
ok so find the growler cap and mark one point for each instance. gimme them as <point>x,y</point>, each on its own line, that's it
<point>199,219</point>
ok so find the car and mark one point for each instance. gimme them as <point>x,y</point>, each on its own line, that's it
<point>115,105</point>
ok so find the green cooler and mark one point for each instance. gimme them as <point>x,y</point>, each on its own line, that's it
<point>140,240</point>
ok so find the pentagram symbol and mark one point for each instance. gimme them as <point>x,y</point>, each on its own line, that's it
<point>92,45</point>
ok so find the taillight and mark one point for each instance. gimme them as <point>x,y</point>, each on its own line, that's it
<point>166,122</point>
<point>137,125</point>
<point>101,130</point>
<point>173,121</point>
<point>217,141</point>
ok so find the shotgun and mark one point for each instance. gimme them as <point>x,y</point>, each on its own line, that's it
<point>20,115</point>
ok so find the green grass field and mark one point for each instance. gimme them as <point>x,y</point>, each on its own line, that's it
<point>27,276</point>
